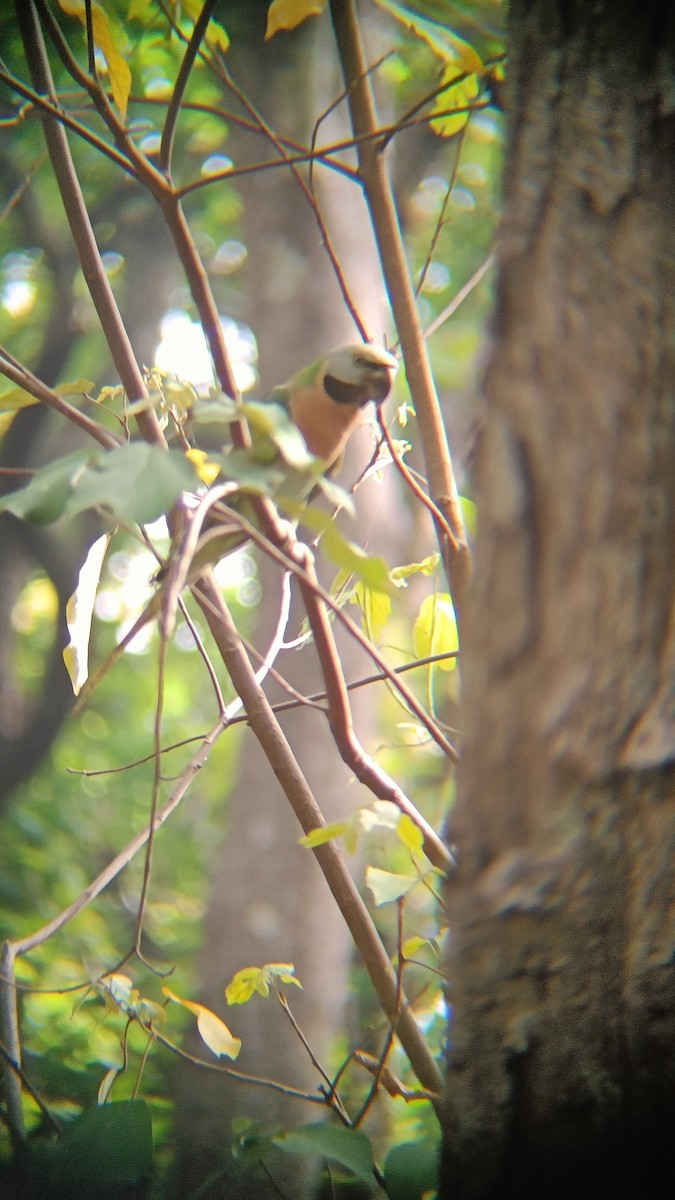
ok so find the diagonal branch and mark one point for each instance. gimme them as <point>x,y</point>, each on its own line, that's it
<point>377,188</point>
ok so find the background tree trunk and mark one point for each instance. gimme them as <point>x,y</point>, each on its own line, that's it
<point>562,1071</point>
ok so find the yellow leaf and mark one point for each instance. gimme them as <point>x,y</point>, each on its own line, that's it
<point>288,14</point>
<point>457,95</point>
<point>410,834</point>
<point>15,398</point>
<point>80,387</point>
<point>118,70</point>
<point>319,837</point>
<point>375,606</point>
<point>387,886</point>
<point>435,630</point>
<point>215,34</point>
<point>245,984</point>
<point>213,1031</point>
<point>284,972</point>
<point>206,468</point>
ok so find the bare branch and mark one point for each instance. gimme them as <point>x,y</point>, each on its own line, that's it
<point>377,188</point>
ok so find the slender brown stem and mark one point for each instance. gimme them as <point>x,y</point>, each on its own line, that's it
<point>285,766</point>
<point>378,192</point>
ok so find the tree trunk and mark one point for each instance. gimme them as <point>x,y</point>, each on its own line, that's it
<point>562,1071</point>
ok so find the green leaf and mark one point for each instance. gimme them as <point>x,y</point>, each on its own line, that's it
<point>387,887</point>
<point>135,482</point>
<point>469,514</point>
<point>435,629</point>
<point>44,499</point>
<point>271,421</point>
<point>369,568</point>
<point>348,1147</point>
<point>411,1170</point>
<point>104,1148</point>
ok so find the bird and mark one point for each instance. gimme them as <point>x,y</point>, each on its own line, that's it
<point>299,434</point>
<point>323,402</point>
<point>325,399</point>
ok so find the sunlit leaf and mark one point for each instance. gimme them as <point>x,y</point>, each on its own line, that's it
<point>413,945</point>
<point>446,44</point>
<point>382,813</point>
<point>16,398</point>
<point>469,514</point>
<point>410,834</point>
<point>80,612</point>
<point>375,606</point>
<point>435,629</point>
<point>426,567</point>
<point>387,886</point>
<point>207,469</point>
<point>369,568</point>
<point>215,34</point>
<point>288,14</point>
<point>105,1085</point>
<point>283,972</point>
<point>319,837</point>
<point>212,1030</point>
<point>245,984</point>
<point>79,387</point>
<point>118,69</point>
<point>459,95</point>
<point>349,1147</point>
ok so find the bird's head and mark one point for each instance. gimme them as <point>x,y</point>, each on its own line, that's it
<point>358,373</point>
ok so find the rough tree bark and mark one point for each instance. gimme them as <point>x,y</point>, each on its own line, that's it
<point>562,1070</point>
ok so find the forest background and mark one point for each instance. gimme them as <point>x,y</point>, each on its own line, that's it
<point>306,182</point>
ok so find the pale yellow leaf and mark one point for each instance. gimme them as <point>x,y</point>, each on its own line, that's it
<point>387,886</point>
<point>435,629</point>
<point>245,984</point>
<point>410,834</point>
<point>16,398</point>
<point>460,95</point>
<point>288,14</point>
<point>118,69</point>
<point>319,837</point>
<point>80,614</point>
<point>212,1030</point>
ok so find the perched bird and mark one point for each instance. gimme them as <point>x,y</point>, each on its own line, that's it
<point>299,434</point>
<point>324,402</point>
<point>325,399</point>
